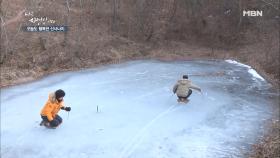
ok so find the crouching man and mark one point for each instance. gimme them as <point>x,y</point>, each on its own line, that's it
<point>49,113</point>
<point>183,88</point>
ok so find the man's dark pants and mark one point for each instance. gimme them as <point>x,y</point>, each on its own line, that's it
<point>188,95</point>
<point>55,122</point>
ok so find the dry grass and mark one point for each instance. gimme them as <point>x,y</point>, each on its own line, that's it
<point>269,147</point>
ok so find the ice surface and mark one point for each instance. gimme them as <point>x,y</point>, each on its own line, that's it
<point>139,116</point>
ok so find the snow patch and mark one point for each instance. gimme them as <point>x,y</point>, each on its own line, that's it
<point>252,71</point>
<point>255,74</point>
<point>237,63</point>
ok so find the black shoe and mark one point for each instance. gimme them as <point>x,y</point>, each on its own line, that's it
<point>47,124</point>
<point>42,123</point>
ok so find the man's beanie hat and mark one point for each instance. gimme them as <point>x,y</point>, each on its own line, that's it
<point>59,93</point>
<point>185,76</point>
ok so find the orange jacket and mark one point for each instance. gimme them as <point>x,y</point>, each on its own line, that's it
<point>52,107</point>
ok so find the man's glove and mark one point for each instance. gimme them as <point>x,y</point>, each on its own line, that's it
<point>66,108</point>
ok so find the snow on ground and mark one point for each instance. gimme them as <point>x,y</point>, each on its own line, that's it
<point>255,74</point>
<point>237,63</point>
<point>252,71</point>
<point>138,114</point>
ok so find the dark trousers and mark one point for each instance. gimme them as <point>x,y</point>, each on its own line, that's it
<point>55,122</point>
<point>188,95</point>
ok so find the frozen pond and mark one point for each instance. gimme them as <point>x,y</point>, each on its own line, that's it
<point>138,116</point>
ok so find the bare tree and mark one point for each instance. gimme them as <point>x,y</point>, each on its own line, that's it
<point>173,10</point>
<point>6,44</point>
<point>115,7</point>
<point>240,13</point>
<point>94,3</point>
<point>66,23</point>
<point>80,23</point>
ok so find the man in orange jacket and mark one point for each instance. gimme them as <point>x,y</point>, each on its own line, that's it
<point>49,112</point>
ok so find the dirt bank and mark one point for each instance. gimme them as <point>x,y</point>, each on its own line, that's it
<point>167,52</point>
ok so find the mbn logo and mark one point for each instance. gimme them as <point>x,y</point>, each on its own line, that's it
<point>252,13</point>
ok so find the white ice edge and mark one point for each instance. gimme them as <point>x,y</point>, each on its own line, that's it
<point>255,74</point>
<point>237,63</point>
<point>252,71</point>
